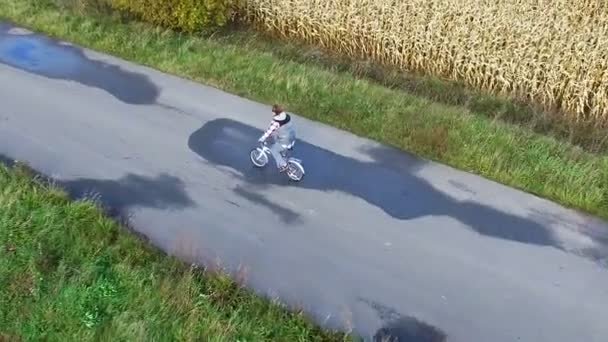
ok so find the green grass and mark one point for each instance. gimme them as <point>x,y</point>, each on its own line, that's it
<point>450,133</point>
<point>69,273</point>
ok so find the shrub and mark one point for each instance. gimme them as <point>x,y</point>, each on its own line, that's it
<point>182,15</point>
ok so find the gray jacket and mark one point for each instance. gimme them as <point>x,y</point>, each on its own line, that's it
<point>281,129</point>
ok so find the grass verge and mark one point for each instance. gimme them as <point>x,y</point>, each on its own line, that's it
<point>452,134</point>
<point>69,273</point>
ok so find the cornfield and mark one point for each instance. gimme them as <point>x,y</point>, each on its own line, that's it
<point>551,52</point>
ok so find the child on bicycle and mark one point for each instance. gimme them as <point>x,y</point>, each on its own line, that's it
<point>282,131</point>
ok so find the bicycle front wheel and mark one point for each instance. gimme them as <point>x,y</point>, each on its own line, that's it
<point>258,157</point>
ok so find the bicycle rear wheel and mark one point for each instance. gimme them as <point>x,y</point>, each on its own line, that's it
<point>295,171</point>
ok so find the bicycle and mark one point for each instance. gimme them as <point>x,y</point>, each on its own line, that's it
<point>295,170</point>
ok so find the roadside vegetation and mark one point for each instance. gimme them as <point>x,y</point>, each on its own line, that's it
<point>69,273</point>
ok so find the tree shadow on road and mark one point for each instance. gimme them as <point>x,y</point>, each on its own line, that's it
<point>388,182</point>
<point>49,58</point>
<point>117,197</point>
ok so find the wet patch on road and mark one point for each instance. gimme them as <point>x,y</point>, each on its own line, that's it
<point>409,329</point>
<point>403,328</point>
<point>285,214</point>
<point>462,187</point>
<point>46,57</point>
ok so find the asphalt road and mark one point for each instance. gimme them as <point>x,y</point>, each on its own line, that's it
<point>373,239</point>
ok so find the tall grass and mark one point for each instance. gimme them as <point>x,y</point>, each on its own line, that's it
<point>551,52</point>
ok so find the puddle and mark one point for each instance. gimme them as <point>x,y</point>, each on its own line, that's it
<point>29,53</point>
<point>409,329</point>
<point>402,328</point>
<point>46,57</point>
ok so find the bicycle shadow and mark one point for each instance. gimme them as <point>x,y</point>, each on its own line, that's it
<point>388,182</point>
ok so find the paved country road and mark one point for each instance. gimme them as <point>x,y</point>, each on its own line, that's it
<point>373,239</point>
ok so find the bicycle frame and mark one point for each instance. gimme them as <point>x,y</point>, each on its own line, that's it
<point>285,153</point>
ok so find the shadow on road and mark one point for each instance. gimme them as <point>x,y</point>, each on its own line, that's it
<point>49,58</point>
<point>389,182</point>
<point>118,196</point>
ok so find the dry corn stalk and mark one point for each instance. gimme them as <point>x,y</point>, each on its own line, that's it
<point>554,52</point>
